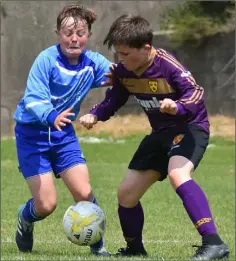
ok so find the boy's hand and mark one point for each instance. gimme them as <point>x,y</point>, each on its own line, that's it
<point>61,119</point>
<point>168,106</point>
<point>88,120</point>
<point>109,76</point>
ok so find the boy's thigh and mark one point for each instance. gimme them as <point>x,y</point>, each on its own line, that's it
<point>151,155</point>
<point>134,185</point>
<point>65,156</point>
<point>33,158</point>
<point>42,188</point>
<point>190,143</point>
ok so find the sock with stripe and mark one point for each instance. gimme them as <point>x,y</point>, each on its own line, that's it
<point>29,214</point>
<point>197,207</point>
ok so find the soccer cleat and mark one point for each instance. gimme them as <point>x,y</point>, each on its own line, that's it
<point>211,252</point>
<point>24,233</point>
<point>100,252</point>
<point>130,251</point>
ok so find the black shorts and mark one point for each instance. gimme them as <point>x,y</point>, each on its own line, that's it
<point>156,149</point>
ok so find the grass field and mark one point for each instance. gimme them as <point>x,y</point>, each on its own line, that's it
<point>168,232</point>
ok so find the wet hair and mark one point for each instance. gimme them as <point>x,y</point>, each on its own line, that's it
<point>78,12</point>
<point>130,30</point>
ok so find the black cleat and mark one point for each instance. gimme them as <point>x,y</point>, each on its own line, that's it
<point>24,233</point>
<point>211,252</point>
<point>128,251</point>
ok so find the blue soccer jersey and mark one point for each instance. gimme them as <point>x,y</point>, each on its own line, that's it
<point>55,85</point>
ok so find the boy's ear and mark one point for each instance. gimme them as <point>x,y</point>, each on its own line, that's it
<point>147,47</point>
<point>90,33</point>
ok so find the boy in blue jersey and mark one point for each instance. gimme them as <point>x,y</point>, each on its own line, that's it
<point>60,78</point>
<point>174,105</point>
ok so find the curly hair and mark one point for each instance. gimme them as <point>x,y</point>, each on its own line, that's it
<point>78,12</point>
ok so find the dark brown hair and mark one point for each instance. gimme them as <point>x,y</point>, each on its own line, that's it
<point>130,30</point>
<point>78,12</point>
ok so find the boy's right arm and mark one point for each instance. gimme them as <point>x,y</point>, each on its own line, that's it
<point>37,98</point>
<point>114,100</point>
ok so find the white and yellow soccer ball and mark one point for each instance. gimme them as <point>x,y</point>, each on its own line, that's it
<point>84,223</point>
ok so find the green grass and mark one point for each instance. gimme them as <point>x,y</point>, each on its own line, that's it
<point>168,232</point>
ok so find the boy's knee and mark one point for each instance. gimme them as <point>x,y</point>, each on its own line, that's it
<point>45,208</point>
<point>126,198</point>
<point>85,195</point>
<point>178,176</point>
<point>174,174</point>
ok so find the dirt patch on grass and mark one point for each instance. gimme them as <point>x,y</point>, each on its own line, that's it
<point>222,126</point>
<point>121,126</point>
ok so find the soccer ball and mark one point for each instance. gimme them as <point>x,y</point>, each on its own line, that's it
<point>84,223</point>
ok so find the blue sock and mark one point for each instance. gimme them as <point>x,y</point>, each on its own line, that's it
<point>29,214</point>
<point>100,243</point>
<point>95,201</point>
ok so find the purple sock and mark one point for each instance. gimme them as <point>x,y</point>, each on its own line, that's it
<point>131,221</point>
<point>197,207</point>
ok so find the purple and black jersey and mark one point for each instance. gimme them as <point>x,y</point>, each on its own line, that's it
<point>164,77</point>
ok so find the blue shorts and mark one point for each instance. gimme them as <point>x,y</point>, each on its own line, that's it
<point>41,149</point>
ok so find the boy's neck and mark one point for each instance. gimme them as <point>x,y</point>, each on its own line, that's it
<point>73,61</point>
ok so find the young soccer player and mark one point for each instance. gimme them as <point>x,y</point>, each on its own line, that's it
<point>60,78</point>
<point>174,105</point>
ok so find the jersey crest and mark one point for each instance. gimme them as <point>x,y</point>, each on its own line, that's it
<point>178,139</point>
<point>153,85</point>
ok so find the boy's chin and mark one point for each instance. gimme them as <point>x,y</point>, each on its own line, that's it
<point>73,53</point>
<point>130,68</point>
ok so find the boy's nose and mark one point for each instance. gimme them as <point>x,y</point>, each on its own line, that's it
<point>74,38</point>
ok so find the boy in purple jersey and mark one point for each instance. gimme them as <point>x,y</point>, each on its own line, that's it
<point>175,108</point>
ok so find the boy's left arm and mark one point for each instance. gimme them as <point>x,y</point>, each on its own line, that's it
<point>102,72</point>
<point>189,92</point>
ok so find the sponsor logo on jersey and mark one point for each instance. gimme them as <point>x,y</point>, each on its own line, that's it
<point>149,104</point>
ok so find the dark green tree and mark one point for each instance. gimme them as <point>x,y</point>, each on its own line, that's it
<point>194,21</point>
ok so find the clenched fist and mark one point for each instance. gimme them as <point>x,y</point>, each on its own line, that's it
<point>88,120</point>
<point>168,106</point>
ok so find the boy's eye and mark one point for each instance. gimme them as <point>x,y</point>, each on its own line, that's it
<point>67,33</point>
<point>80,33</point>
<point>124,54</point>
